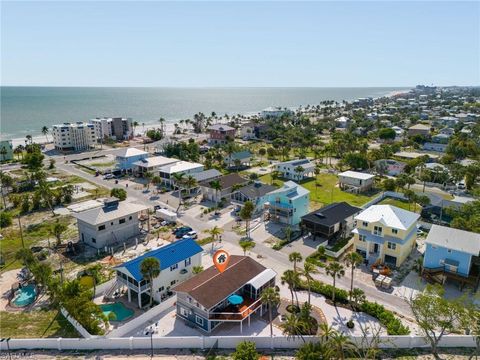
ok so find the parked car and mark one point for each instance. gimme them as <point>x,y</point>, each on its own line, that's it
<point>179,234</point>
<point>191,234</point>
<point>108,176</point>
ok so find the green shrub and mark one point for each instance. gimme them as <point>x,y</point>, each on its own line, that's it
<point>5,219</point>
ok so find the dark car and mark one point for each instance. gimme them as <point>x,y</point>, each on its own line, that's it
<point>184,230</point>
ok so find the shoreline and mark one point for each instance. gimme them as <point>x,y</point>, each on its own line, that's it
<point>169,124</point>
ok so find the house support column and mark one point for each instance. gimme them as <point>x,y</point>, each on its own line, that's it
<point>129,294</point>
<point>241,327</point>
<point>139,296</point>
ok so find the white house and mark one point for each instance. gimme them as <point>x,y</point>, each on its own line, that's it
<point>274,112</point>
<point>342,122</point>
<point>289,169</point>
<point>152,164</point>
<point>176,260</point>
<point>167,172</point>
<point>355,181</point>
<point>127,157</point>
<point>113,223</point>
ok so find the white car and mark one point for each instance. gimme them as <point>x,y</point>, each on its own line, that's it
<point>108,176</point>
<point>190,235</point>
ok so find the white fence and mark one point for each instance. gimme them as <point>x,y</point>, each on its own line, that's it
<point>224,342</point>
<point>75,324</point>
<point>143,319</point>
<point>385,194</point>
<point>338,253</point>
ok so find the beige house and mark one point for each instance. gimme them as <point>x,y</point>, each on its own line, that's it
<point>356,182</point>
<point>385,233</point>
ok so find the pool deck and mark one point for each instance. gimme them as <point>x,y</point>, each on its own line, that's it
<point>122,299</point>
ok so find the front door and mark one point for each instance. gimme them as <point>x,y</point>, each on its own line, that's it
<point>375,248</point>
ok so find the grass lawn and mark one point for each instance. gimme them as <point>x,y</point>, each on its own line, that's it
<point>327,190</point>
<point>35,324</point>
<point>400,204</point>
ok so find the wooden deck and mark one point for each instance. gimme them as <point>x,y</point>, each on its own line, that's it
<point>237,313</point>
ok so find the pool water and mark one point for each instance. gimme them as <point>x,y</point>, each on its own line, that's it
<point>121,312</point>
<point>25,296</point>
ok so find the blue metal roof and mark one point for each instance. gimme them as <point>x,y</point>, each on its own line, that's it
<point>168,255</point>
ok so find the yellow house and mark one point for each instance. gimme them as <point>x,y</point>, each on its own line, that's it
<point>385,232</point>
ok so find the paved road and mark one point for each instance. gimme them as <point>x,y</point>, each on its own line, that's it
<point>275,259</point>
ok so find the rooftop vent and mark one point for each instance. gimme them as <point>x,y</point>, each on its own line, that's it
<point>320,215</point>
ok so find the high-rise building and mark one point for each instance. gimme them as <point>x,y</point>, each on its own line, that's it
<point>74,136</point>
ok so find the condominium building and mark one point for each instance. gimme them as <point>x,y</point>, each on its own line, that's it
<point>73,136</point>
<point>117,128</point>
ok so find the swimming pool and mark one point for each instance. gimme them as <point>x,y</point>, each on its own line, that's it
<point>118,309</point>
<point>25,296</point>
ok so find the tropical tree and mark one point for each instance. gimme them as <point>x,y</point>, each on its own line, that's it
<point>119,193</point>
<point>358,297</point>
<point>295,257</point>
<point>352,260</point>
<point>246,214</point>
<point>150,269</point>
<point>190,183</point>
<point>246,350</point>
<point>335,270</point>
<point>214,232</point>
<point>293,326</point>
<point>309,269</point>
<point>148,177</point>
<point>178,179</point>
<point>246,245</point>
<point>57,230</point>
<point>197,269</point>
<point>299,171</point>
<point>217,186</point>
<point>291,278</point>
<point>342,345</point>
<point>271,297</point>
<point>45,132</point>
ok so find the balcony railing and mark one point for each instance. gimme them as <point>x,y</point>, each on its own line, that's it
<point>243,312</point>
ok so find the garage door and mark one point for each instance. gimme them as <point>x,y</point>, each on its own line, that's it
<point>390,260</point>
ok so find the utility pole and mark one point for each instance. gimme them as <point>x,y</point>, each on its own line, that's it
<point>21,232</point>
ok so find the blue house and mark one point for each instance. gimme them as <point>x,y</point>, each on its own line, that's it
<point>176,264</point>
<point>127,156</point>
<point>452,254</point>
<point>288,204</point>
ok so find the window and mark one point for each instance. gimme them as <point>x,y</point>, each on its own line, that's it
<point>130,217</point>
<point>94,240</point>
<point>377,230</point>
<point>184,312</point>
<point>111,223</point>
<point>449,250</point>
<point>391,246</point>
<point>394,231</point>
<point>121,221</point>
<point>173,267</point>
<point>189,299</point>
<point>199,320</point>
<point>362,238</point>
<point>101,227</point>
<point>188,261</point>
<point>365,223</point>
<point>161,288</point>
<point>173,282</point>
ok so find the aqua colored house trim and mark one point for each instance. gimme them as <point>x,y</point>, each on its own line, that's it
<point>289,203</point>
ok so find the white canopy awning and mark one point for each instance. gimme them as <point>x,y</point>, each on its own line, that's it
<point>261,279</point>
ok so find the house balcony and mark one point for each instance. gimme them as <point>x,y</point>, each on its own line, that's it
<point>236,313</point>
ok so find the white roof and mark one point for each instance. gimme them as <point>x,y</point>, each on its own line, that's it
<point>455,239</point>
<point>420,127</point>
<point>127,152</point>
<point>356,175</point>
<point>103,214</point>
<point>155,161</point>
<point>262,278</point>
<point>180,166</point>
<point>389,215</point>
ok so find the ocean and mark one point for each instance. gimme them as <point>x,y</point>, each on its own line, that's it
<point>25,110</point>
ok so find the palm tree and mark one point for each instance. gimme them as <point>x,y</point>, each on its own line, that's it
<point>299,171</point>
<point>57,230</point>
<point>308,270</point>
<point>214,232</point>
<point>352,260</point>
<point>45,132</point>
<point>19,151</point>
<point>197,269</point>
<point>246,245</point>
<point>358,296</point>
<point>217,186</point>
<point>178,179</point>
<point>150,269</point>
<point>326,331</point>
<point>291,278</point>
<point>246,214</point>
<point>135,124</point>
<point>295,257</point>
<point>190,183</point>
<point>293,326</point>
<point>335,270</point>
<point>29,138</point>
<point>271,298</point>
<point>341,345</point>
<point>3,152</point>
<point>148,176</point>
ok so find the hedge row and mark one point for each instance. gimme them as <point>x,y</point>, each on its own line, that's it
<point>393,325</point>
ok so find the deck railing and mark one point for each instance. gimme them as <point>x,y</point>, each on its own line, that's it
<point>238,315</point>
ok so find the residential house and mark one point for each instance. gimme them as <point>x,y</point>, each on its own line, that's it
<point>256,192</point>
<point>127,157</point>
<point>448,120</point>
<point>247,131</point>
<point>275,112</point>
<point>288,204</point>
<point>330,221</point>
<point>207,175</point>
<point>152,164</point>
<point>439,143</point>
<point>399,132</point>
<point>447,131</point>
<point>440,209</point>
<point>176,260</point>
<point>288,169</point>
<point>186,168</point>
<point>228,183</point>
<point>205,300</point>
<point>6,150</point>
<point>419,129</point>
<point>452,254</point>
<point>242,158</point>
<point>113,223</point>
<point>356,182</point>
<point>342,122</point>
<point>220,134</point>
<point>385,233</point>
<point>390,167</point>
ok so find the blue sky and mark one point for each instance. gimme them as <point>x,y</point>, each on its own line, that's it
<point>240,43</point>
